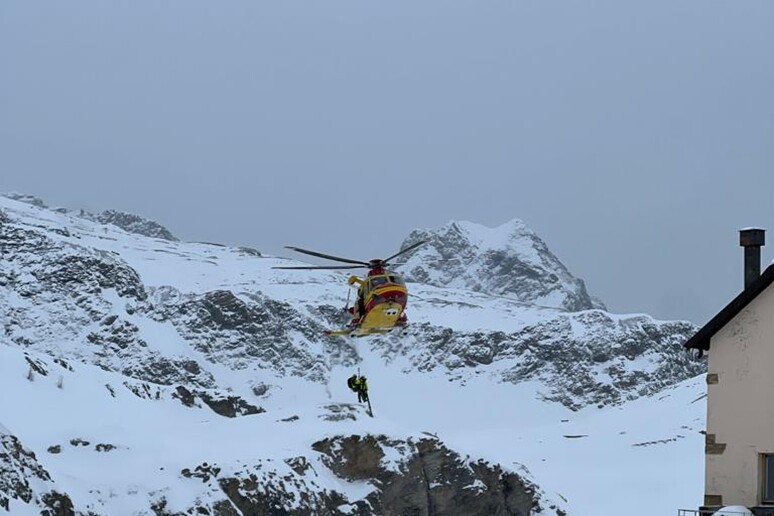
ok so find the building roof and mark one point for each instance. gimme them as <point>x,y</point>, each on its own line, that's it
<point>701,340</point>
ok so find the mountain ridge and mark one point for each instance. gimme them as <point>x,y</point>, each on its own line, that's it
<point>129,222</point>
<point>215,344</point>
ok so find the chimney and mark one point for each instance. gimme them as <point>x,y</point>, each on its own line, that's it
<point>752,239</point>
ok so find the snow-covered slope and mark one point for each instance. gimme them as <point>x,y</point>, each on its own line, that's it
<point>509,260</point>
<point>127,221</point>
<point>173,356</point>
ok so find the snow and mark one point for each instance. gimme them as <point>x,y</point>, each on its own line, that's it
<point>394,457</point>
<point>513,235</point>
<point>652,443</point>
<point>598,460</point>
<point>504,236</point>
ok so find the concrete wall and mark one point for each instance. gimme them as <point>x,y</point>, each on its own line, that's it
<point>740,405</point>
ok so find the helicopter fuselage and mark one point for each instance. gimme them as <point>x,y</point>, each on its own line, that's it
<point>384,298</point>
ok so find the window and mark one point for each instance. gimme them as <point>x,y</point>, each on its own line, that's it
<point>378,281</point>
<point>397,279</point>
<point>767,478</point>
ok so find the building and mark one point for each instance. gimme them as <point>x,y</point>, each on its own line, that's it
<point>739,342</point>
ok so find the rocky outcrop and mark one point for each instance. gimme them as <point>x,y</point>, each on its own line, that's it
<point>59,287</point>
<point>91,275</point>
<point>424,477</point>
<point>227,406</point>
<point>64,307</point>
<point>510,260</point>
<point>35,264</point>
<point>265,488</point>
<point>56,504</point>
<point>588,358</point>
<point>252,329</point>
<point>16,465</point>
<point>25,198</point>
<point>21,477</point>
<point>412,476</point>
<point>129,222</point>
<point>132,223</point>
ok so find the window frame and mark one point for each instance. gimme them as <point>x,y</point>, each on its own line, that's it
<point>766,476</point>
<point>384,280</point>
<point>397,279</point>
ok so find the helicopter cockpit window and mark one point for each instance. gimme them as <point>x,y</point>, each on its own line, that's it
<point>378,281</point>
<point>397,279</point>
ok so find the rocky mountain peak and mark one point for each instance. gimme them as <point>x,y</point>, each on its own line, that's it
<point>509,260</point>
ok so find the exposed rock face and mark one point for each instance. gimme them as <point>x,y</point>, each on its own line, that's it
<point>16,466</point>
<point>64,282</point>
<point>421,477</point>
<point>19,472</point>
<point>68,285</point>
<point>92,274</point>
<point>263,488</point>
<point>227,406</point>
<point>611,360</point>
<point>510,260</point>
<point>425,478</point>
<point>56,504</point>
<point>258,496</point>
<point>66,269</point>
<point>132,223</point>
<point>252,329</point>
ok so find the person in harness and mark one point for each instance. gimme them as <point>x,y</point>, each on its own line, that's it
<point>358,311</point>
<point>359,384</point>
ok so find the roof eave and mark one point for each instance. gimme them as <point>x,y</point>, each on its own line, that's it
<point>701,339</point>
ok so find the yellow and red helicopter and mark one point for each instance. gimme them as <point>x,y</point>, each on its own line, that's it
<point>381,295</point>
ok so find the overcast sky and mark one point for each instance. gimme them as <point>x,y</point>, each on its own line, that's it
<point>635,137</point>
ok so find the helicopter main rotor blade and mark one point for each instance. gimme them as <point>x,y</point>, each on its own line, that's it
<point>328,267</point>
<point>409,248</point>
<point>439,260</point>
<point>326,256</point>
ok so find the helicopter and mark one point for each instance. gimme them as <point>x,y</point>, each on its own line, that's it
<point>381,294</point>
